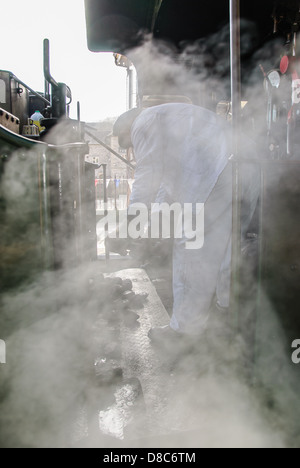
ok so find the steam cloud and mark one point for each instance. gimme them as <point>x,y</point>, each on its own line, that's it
<point>48,394</point>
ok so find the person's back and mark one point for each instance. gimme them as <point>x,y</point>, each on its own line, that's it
<point>187,147</point>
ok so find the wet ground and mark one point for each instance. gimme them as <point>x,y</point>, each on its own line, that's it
<point>89,376</point>
<point>189,396</point>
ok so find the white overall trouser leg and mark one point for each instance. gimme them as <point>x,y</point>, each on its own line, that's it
<point>195,272</point>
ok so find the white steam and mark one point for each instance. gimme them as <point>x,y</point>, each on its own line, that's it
<point>63,384</point>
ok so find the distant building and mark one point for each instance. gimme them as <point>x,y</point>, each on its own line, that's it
<point>116,169</point>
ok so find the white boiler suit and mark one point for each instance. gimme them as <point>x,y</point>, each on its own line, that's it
<point>182,152</point>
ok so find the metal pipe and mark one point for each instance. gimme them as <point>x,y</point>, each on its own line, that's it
<point>78,112</point>
<point>45,211</point>
<point>79,207</point>
<point>236,95</point>
<point>260,255</point>
<point>47,73</point>
<point>47,90</point>
<point>130,80</point>
<point>235,61</point>
<point>157,7</point>
<point>295,43</point>
<point>106,243</point>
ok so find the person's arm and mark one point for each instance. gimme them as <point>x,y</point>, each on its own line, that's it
<point>147,182</point>
<point>148,175</point>
<point>148,147</point>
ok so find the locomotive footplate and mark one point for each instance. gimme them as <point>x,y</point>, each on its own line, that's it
<point>87,375</point>
<point>183,398</point>
<point>128,369</point>
<point>195,397</point>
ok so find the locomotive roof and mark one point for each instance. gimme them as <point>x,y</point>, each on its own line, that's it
<point>118,25</point>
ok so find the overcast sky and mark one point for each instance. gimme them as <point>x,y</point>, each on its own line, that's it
<point>95,80</point>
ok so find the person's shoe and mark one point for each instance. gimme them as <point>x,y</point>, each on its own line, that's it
<point>161,335</point>
<point>176,351</point>
<point>167,344</point>
<point>167,339</point>
<point>170,343</point>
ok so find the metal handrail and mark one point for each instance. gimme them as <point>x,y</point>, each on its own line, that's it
<point>30,89</point>
<point>128,163</point>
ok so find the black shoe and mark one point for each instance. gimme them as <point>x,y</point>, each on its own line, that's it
<point>171,343</point>
<point>161,335</point>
